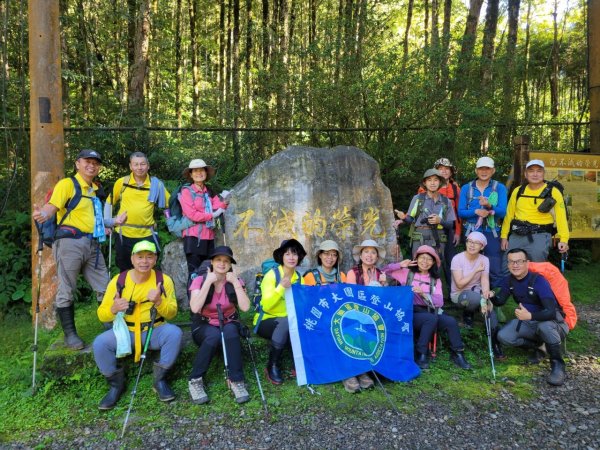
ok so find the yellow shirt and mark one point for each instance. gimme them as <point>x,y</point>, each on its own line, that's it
<point>140,211</point>
<point>272,302</point>
<point>82,216</point>
<point>525,209</point>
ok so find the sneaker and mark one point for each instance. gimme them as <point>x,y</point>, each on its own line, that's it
<point>351,385</point>
<point>365,381</point>
<point>239,391</point>
<point>197,392</point>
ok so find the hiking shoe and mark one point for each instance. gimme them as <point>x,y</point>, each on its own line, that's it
<point>365,381</point>
<point>351,385</point>
<point>239,391</point>
<point>197,392</point>
<point>468,320</point>
<point>537,355</point>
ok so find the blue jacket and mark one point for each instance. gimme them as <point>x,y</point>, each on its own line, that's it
<point>466,208</point>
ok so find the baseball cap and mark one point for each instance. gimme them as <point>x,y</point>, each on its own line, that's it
<point>144,246</point>
<point>88,153</point>
<point>485,161</point>
<point>535,162</point>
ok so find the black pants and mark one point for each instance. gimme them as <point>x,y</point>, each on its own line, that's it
<point>196,251</point>
<point>276,329</point>
<point>123,247</point>
<point>208,339</point>
<point>424,326</point>
<point>448,324</point>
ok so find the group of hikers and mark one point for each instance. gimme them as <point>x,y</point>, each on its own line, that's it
<point>502,236</point>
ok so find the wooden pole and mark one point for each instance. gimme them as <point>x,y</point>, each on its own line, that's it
<point>593,23</point>
<point>47,138</point>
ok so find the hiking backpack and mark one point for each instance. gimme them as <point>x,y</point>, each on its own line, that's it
<point>50,226</point>
<point>558,284</point>
<point>317,276</point>
<point>201,271</point>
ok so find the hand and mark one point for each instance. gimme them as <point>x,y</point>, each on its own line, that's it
<point>483,201</point>
<point>285,282</point>
<point>232,278</point>
<point>482,212</point>
<point>217,213</point>
<point>211,277</point>
<point>504,244</point>
<point>119,304</point>
<point>406,263</point>
<point>400,215</point>
<point>456,239</point>
<point>521,313</point>
<point>383,279</point>
<point>417,290</point>
<point>434,219</point>
<point>563,247</point>
<point>121,218</point>
<point>397,222</point>
<point>38,215</point>
<point>480,268</point>
<point>155,295</point>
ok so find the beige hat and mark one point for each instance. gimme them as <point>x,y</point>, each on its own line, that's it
<point>199,164</point>
<point>329,245</point>
<point>368,243</point>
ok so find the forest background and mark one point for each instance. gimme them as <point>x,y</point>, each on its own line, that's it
<point>235,81</point>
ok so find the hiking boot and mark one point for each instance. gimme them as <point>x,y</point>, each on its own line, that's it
<point>197,392</point>
<point>458,358</point>
<point>160,386</point>
<point>273,371</point>
<point>468,319</point>
<point>116,381</point>
<point>557,366</point>
<point>351,385</point>
<point>67,321</point>
<point>537,355</point>
<point>365,381</point>
<point>422,361</point>
<point>497,349</point>
<point>239,391</point>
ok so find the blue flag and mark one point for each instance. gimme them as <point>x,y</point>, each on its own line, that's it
<point>343,330</point>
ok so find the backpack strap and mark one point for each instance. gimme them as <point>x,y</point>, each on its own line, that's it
<point>72,202</point>
<point>121,282</point>
<point>411,277</point>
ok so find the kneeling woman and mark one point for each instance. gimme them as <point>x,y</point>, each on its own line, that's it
<point>219,289</point>
<point>423,276</point>
<point>271,320</point>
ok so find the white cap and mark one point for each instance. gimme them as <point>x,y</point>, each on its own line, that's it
<point>485,161</point>
<point>535,162</point>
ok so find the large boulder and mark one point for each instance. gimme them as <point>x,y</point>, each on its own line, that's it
<point>310,194</point>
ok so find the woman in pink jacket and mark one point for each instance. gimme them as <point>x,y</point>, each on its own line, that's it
<point>201,205</point>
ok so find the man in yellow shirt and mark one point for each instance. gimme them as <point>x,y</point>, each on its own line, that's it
<point>141,290</point>
<point>138,195</point>
<point>531,215</point>
<point>76,248</point>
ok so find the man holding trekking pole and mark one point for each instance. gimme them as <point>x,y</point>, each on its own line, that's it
<point>129,299</point>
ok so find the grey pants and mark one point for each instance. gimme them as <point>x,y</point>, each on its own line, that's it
<point>548,332</point>
<point>536,245</point>
<point>75,256</point>
<point>166,338</point>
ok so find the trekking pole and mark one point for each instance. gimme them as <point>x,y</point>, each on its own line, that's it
<point>488,329</point>
<point>563,260</point>
<point>221,321</point>
<point>109,252</point>
<point>385,392</point>
<point>246,333</point>
<point>36,307</point>
<point>142,359</point>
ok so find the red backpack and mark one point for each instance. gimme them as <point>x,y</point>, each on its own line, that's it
<point>560,288</point>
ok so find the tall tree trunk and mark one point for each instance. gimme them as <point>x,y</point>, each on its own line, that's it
<point>84,62</point>
<point>446,44</point>
<point>409,13</point>
<point>489,37</point>
<point>193,13</point>
<point>554,78</point>
<point>508,102</point>
<point>526,96</point>
<point>235,63</point>
<point>178,63</point>
<point>434,51</point>
<point>222,61</point>
<point>266,41</point>
<point>140,65</point>
<point>248,59</point>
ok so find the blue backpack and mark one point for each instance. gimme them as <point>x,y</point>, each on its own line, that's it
<point>50,226</point>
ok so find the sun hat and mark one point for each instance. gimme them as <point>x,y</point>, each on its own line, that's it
<point>285,245</point>
<point>446,163</point>
<point>478,237</point>
<point>426,249</point>
<point>357,249</point>
<point>144,246</point>
<point>485,161</point>
<point>327,245</point>
<point>535,162</point>
<point>433,173</point>
<point>89,153</point>
<point>223,250</point>
<point>199,164</point>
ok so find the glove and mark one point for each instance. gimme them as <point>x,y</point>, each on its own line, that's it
<point>217,213</point>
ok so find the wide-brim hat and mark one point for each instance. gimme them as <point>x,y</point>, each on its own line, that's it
<point>433,173</point>
<point>89,153</point>
<point>328,245</point>
<point>199,164</point>
<point>223,250</point>
<point>357,249</point>
<point>144,246</point>
<point>446,163</point>
<point>428,250</point>
<point>285,245</point>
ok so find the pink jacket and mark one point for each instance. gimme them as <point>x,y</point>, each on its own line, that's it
<point>195,210</point>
